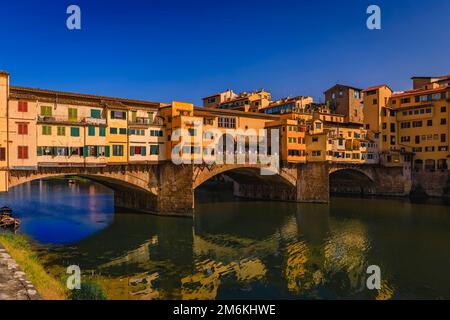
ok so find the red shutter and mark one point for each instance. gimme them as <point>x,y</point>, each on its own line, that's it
<point>22,152</point>
<point>2,154</point>
<point>23,128</point>
<point>23,106</point>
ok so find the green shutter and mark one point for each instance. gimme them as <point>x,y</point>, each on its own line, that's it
<point>39,151</point>
<point>143,151</point>
<point>91,131</point>
<point>96,114</point>
<point>102,132</point>
<point>107,151</point>
<point>46,111</point>
<point>86,151</point>
<point>131,151</point>
<point>75,131</point>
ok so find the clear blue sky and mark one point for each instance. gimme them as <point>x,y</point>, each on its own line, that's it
<point>183,50</point>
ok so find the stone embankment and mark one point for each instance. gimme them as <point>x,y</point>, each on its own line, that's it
<point>14,284</point>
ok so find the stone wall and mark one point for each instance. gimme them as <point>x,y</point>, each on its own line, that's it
<point>433,184</point>
<point>176,191</point>
<point>313,182</point>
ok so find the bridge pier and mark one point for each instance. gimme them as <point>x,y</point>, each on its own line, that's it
<point>176,190</point>
<point>313,184</point>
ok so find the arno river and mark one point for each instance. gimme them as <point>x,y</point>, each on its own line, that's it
<point>237,248</point>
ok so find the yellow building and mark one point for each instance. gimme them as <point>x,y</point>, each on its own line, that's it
<point>294,104</point>
<point>292,139</point>
<point>412,125</point>
<point>244,101</point>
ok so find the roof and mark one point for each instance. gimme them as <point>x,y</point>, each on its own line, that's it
<point>342,85</point>
<point>419,91</point>
<point>228,112</point>
<point>377,87</point>
<point>57,94</point>
<point>428,77</point>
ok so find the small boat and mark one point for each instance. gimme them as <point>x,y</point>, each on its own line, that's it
<point>6,219</point>
<point>5,211</point>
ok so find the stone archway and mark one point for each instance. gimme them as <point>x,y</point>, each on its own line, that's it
<point>351,181</point>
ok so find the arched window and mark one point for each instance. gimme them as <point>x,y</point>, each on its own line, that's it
<point>442,164</point>
<point>430,164</point>
<point>418,164</point>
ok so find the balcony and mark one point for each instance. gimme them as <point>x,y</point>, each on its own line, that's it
<point>146,122</point>
<point>67,120</point>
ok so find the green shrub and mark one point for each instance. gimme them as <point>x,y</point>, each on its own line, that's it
<point>89,291</point>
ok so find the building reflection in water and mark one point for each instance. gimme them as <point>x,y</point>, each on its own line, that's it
<point>232,248</point>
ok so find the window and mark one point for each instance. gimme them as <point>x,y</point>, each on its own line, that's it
<point>443,137</point>
<point>375,101</point>
<point>61,131</point>
<point>97,114</point>
<point>417,98</point>
<point>91,131</point>
<point>443,109</point>
<point>417,124</point>
<point>22,152</point>
<point>156,133</point>
<point>227,122</point>
<point>122,131</point>
<point>135,150</point>
<point>392,140</point>
<point>154,149</point>
<point>95,151</point>
<point>405,125</point>
<point>417,139</point>
<point>2,154</point>
<point>405,139</point>
<point>46,130</point>
<point>192,132</point>
<point>73,114</point>
<point>318,125</point>
<point>113,130</point>
<point>118,115</point>
<point>443,121</point>
<point>46,111</point>
<point>22,128</point>
<point>392,127</point>
<point>23,106</point>
<point>383,126</point>
<point>75,131</point>
<point>117,150</point>
<point>102,131</point>
<point>405,100</point>
<point>429,123</point>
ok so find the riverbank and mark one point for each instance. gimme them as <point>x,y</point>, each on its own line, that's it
<point>28,265</point>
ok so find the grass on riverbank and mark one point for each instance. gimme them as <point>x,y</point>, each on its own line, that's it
<point>19,248</point>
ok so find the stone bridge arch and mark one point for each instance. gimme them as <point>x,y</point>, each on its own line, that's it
<point>202,173</point>
<point>135,187</point>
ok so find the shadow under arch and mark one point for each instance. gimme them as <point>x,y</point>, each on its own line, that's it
<point>248,182</point>
<point>351,181</point>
